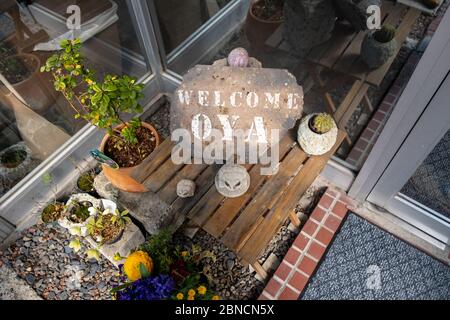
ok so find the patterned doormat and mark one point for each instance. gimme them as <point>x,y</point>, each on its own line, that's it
<point>365,263</point>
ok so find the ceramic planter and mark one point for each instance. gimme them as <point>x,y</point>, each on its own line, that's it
<point>11,173</point>
<point>109,207</point>
<point>32,88</point>
<point>308,23</point>
<point>75,227</point>
<point>374,53</point>
<point>258,30</point>
<point>313,143</point>
<point>121,178</point>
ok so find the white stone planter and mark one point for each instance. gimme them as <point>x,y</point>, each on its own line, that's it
<point>80,228</point>
<point>313,143</point>
<point>374,53</point>
<point>9,176</point>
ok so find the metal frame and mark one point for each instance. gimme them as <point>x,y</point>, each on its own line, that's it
<point>206,39</point>
<point>427,132</point>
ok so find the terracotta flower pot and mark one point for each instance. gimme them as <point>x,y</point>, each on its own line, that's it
<point>121,178</point>
<point>31,89</point>
<point>258,30</point>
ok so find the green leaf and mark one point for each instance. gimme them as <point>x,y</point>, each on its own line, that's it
<point>110,87</point>
<point>96,97</point>
<point>93,254</point>
<point>143,271</point>
<point>75,245</point>
<point>96,88</point>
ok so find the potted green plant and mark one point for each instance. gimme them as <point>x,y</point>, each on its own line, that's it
<point>378,46</point>
<point>85,182</point>
<point>54,210</point>
<point>21,72</point>
<point>79,208</point>
<point>108,227</point>
<point>103,104</point>
<point>263,18</point>
<point>317,133</point>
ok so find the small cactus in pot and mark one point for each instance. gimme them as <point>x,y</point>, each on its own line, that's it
<point>378,46</point>
<point>321,123</point>
<point>317,133</point>
<point>431,4</point>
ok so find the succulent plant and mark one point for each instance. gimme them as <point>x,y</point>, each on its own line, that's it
<point>431,4</point>
<point>385,34</point>
<point>322,123</point>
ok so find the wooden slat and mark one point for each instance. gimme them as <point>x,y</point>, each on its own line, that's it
<point>352,107</point>
<point>204,181</point>
<point>204,208</point>
<point>341,39</point>
<point>276,38</point>
<point>153,161</point>
<point>347,100</point>
<point>191,172</point>
<point>161,176</point>
<point>273,222</point>
<point>265,198</point>
<point>229,209</point>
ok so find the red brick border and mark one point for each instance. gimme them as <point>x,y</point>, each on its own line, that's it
<point>309,247</point>
<point>363,146</point>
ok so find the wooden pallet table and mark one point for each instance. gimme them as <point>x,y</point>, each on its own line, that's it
<point>341,54</point>
<point>246,224</point>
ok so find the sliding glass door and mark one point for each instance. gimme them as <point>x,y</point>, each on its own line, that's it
<point>416,184</point>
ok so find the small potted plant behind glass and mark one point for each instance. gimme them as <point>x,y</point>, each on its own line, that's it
<point>85,182</point>
<point>103,103</point>
<point>263,18</point>
<point>378,46</point>
<point>317,133</point>
<point>21,70</point>
<point>54,210</point>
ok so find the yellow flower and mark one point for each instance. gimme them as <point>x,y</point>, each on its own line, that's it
<point>180,296</point>
<point>215,298</point>
<point>191,298</point>
<point>191,293</point>
<point>132,264</point>
<point>184,254</point>
<point>202,290</point>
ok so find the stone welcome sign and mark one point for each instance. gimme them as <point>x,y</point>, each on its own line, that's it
<point>255,104</point>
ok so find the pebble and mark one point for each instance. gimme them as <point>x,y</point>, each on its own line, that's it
<point>43,259</point>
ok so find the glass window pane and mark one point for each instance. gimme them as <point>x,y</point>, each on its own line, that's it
<point>430,184</point>
<point>35,120</point>
<point>321,45</point>
<point>178,19</point>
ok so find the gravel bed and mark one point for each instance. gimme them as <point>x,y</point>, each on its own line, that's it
<point>43,259</point>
